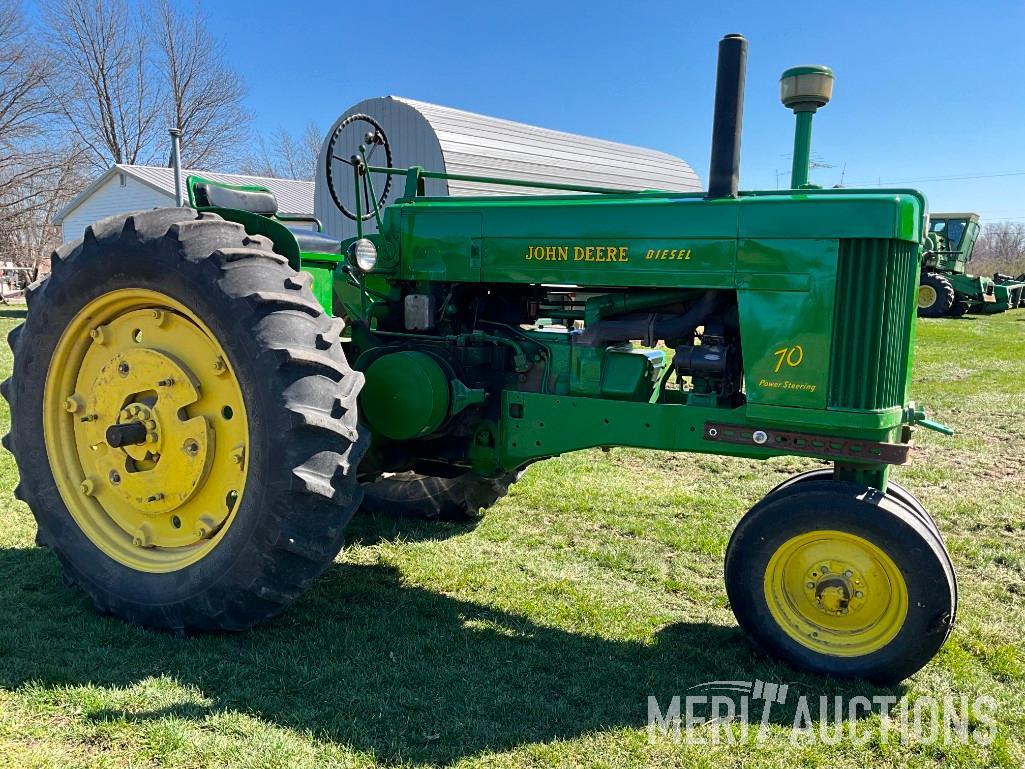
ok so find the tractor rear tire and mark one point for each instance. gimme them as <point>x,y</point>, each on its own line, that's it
<point>935,295</point>
<point>126,474</point>
<point>837,579</point>
<point>427,497</point>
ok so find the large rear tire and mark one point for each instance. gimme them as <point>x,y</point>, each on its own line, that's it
<point>841,580</point>
<point>183,419</point>
<point>411,495</point>
<point>935,295</point>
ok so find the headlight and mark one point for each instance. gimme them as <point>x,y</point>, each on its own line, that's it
<point>362,255</point>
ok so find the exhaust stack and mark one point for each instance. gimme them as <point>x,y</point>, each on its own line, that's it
<point>724,169</point>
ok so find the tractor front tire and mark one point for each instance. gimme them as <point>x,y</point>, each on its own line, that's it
<point>412,495</point>
<point>841,580</point>
<point>893,489</point>
<point>183,419</point>
<point>935,295</point>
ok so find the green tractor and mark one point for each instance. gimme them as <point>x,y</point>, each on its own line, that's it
<point>202,398</point>
<point>1014,288</point>
<point>946,288</point>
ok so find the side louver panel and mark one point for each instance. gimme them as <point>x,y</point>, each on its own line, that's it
<point>873,324</point>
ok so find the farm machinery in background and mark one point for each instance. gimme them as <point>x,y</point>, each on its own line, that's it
<point>946,288</point>
<point>201,398</point>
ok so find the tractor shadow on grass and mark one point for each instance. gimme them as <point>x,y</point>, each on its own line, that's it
<point>368,529</point>
<point>367,662</point>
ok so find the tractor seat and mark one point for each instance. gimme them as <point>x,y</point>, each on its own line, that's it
<point>318,242</point>
<point>260,202</point>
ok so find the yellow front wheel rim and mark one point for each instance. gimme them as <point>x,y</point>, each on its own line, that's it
<point>927,296</point>
<point>836,593</point>
<point>146,430</point>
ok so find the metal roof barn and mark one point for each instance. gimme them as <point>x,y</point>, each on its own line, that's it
<point>458,142</point>
<point>123,188</point>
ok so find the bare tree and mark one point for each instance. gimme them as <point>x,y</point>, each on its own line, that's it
<point>286,155</point>
<point>204,94</point>
<point>23,108</point>
<point>27,232</point>
<point>37,176</point>
<point>1000,248</point>
<point>102,84</point>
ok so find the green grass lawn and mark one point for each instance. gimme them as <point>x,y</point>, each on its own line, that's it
<point>534,636</point>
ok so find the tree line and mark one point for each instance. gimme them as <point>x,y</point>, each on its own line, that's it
<point>1000,248</point>
<point>85,84</point>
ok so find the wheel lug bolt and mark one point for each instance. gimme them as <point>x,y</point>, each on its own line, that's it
<point>123,369</point>
<point>825,569</point>
<point>859,594</point>
<point>143,536</point>
<point>115,477</point>
<point>87,487</point>
<point>191,448</point>
<point>848,573</point>
<point>811,585</point>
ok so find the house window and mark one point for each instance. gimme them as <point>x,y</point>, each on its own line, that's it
<point>123,179</point>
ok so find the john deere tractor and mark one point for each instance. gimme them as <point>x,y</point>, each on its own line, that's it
<point>946,288</point>
<point>202,398</point>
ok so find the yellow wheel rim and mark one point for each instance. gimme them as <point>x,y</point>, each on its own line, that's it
<point>146,430</point>
<point>927,296</point>
<point>836,593</point>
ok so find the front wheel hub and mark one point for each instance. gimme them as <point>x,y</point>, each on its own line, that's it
<point>836,593</point>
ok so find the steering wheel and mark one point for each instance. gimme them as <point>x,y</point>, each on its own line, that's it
<point>343,155</point>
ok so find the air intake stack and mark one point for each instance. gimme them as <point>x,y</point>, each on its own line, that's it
<point>804,90</point>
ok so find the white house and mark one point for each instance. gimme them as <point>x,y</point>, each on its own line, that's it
<point>136,188</point>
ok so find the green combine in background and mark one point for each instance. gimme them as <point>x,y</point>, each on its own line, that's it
<point>202,397</point>
<point>946,288</point>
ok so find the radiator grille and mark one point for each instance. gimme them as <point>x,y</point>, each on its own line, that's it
<point>873,322</point>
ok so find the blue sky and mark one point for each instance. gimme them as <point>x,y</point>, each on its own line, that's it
<point>924,90</point>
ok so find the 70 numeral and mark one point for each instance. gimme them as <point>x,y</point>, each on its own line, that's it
<point>792,356</point>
